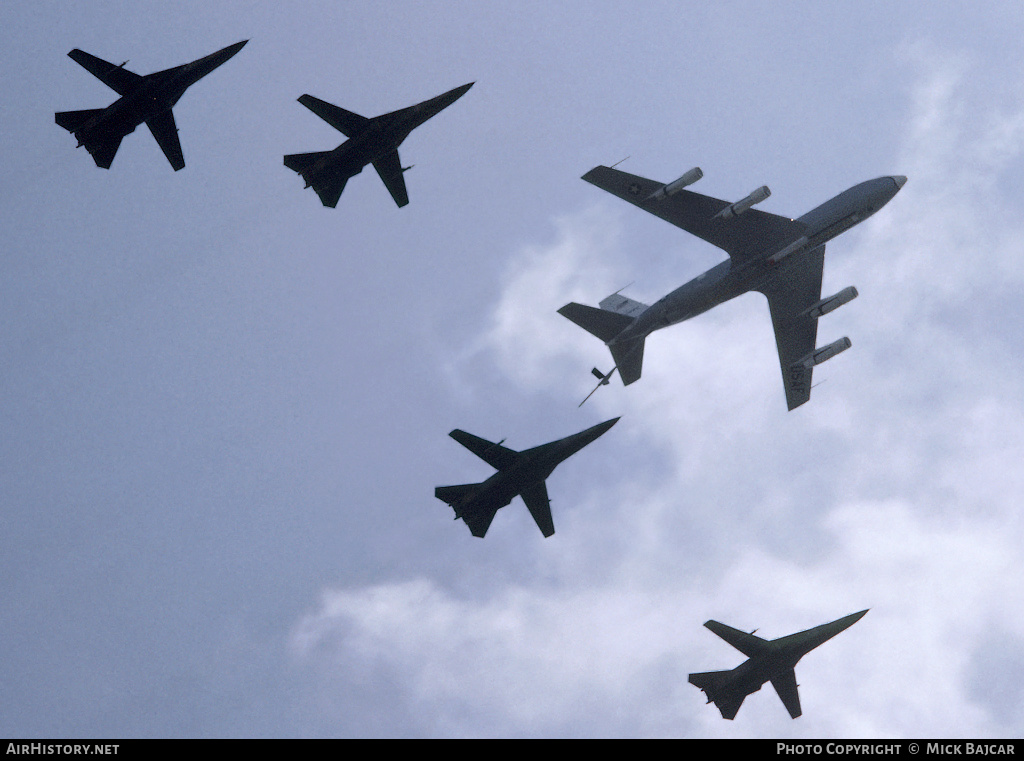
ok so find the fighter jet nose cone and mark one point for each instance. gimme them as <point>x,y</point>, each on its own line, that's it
<point>900,180</point>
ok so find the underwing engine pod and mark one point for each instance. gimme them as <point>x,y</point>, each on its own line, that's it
<point>832,303</point>
<point>818,356</point>
<point>734,210</point>
<point>674,187</point>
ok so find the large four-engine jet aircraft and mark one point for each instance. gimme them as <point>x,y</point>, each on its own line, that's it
<point>780,257</point>
<point>519,473</point>
<point>371,141</point>
<point>768,661</point>
<point>147,98</point>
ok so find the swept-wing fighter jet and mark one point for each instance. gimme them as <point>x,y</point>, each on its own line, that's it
<point>521,473</point>
<point>780,257</point>
<point>146,99</point>
<point>371,141</point>
<point>768,661</point>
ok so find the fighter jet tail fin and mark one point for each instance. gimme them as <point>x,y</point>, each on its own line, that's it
<point>302,162</point>
<point>74,120</point>
<point>708,682</point>
<point>453,495</point>
<point>478,518</point>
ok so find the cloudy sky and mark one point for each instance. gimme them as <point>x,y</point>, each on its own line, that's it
<point>224,408</point>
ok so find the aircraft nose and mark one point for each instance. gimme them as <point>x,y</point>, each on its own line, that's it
<point>900,180</point>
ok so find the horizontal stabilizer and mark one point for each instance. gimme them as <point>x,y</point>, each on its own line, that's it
<point>599,322</point>
<point>629,359</point>
<point>72,121</point>
<point>303,162</point>
<point>454,495</point>
<point>709,682</point>
<point>477,517</point>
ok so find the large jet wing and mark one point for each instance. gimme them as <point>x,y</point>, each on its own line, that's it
<point>743,236</point>
<point>389,167</point>
<point>344,121</point>
<point>536,499</point>
<point>165,131</point>
<point>748,644</point>
<point>495,455</point>
<point>792,290</point>
<point>785,685</point>
<point>117,78</point>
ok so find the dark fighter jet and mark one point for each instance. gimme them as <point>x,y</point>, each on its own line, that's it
<point>772,661</point>
<point>521,473</point>
<point>146,99</point>
<point>371,141</point>
<point>781,257</point>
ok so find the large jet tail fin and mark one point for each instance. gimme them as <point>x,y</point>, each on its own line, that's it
<point>629,358</point>
<point>606,324</point>
<point>623,305</point>
<point>602,323</point>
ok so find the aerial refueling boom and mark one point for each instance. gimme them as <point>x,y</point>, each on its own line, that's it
<point>734,210</point>
<point>674,187</point>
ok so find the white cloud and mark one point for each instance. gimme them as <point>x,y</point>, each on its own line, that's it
<point>897,488</point>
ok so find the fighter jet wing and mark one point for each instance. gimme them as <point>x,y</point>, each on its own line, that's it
<point>117,78</point>
<point>165,131</point>
<point>748,644</point>
<point>495,455</point>
<point>536,499</point>
<point>344,121</point>
<point>748,234</point>
<point>389,167</point>
<point>791,291</point>
<point>785,685</point>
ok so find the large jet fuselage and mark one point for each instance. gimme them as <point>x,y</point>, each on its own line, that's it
<point>155,94</point>
<point>727,280</point>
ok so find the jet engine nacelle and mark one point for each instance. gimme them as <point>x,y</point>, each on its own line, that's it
<point>832,303</point>
<point>792,248</point>
<point>825,353</point>
<point>674,187</point>
<point>734,210</point>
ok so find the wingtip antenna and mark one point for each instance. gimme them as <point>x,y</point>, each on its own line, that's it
<point>618,162</point>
